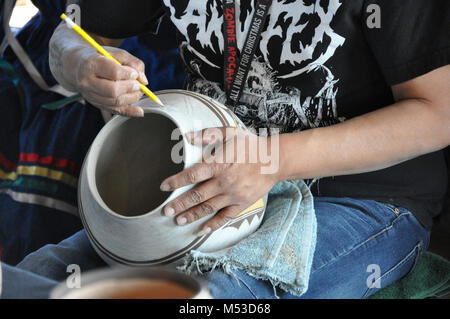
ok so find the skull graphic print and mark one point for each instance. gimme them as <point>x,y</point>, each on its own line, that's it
<point>297,41</point>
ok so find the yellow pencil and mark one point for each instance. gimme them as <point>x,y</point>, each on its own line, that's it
<point>103,52</point>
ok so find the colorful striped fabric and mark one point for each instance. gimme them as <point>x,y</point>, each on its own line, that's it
<point>41,150</point>
<point>45,185</point>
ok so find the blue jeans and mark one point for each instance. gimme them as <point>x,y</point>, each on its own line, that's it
<point>362,246</point>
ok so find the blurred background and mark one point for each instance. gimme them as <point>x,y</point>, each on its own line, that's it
<point>22,13</point>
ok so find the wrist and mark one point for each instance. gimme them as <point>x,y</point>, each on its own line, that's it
<point>278,154</point>
<point>291,152</point>
<point>283,171</point>
<point>270,158</point>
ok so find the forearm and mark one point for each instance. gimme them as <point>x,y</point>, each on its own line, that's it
<point>64,53</point>
<point>374,141</point>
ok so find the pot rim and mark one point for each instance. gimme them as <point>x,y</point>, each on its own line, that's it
<point>192,282</point>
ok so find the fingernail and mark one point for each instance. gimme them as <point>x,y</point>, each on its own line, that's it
<point>190,136</point>
<point>136,86</point>
<point>139,113</point>
<point>169,211</point>
<point>181,221</point>
<point>134,75</point>
<point>144,78</point>
<point>204,232</point>
<point>194,137</point>
<point>165,187</point>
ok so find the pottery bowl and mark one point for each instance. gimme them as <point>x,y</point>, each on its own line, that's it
<point>119,197</point>
<point>133,283</point>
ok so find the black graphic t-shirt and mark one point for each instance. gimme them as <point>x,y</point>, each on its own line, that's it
<point>318,63</point>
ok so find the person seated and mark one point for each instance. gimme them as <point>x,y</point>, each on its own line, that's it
<point>355,100</point>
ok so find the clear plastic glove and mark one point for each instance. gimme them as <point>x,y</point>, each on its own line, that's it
<point>107,85</point>
<point>102,82</point>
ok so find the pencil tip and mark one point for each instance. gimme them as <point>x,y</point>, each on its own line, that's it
<point>159,101</point>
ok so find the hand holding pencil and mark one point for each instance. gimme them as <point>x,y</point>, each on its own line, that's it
<point>106,54</point>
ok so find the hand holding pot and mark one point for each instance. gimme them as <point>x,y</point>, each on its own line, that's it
<point>231,177</point>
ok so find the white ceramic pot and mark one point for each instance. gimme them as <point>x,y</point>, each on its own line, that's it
<point>119,197</point>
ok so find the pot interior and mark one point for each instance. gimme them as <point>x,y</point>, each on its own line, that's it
<point>133,161</point>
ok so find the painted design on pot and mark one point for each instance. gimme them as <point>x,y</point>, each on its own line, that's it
<point>119,198</point>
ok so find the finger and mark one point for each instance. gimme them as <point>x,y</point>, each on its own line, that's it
<point>110,70</point>
<point>206,208</point>
<point>127,99</point>
<point>212,135</point>
<point>197,173</point>
<point>129,110</point>
<point>98,100</point>
<point>143,78</point>
<point>108,88</point>
<point>127,59</point>
<point>113,102</point>
<point>223,217</point>
<point>108,104</point>
<point>191,198</point>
